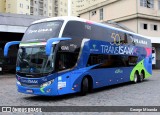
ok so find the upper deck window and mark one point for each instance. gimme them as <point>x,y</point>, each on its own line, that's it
<point>74,29</point>
<point>41,32</point>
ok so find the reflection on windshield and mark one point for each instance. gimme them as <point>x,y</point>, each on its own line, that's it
<point>41,32</point>
<point>34,60</point>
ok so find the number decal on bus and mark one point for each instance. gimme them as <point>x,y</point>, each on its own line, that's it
<point>116,39</point>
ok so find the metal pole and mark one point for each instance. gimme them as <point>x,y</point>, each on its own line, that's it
<point>69,7</point>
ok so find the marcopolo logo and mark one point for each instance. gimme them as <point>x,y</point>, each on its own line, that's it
<point>94,48</point>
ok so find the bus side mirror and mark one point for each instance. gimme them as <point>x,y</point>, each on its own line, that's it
<point>53,41</point>
<point>6,47</point>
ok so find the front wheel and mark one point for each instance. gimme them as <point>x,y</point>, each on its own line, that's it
<point>84,86</point>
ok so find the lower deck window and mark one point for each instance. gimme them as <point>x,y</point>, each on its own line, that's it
<point>111,61</point>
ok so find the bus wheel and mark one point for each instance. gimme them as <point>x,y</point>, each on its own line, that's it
<point>141,77</point>
<point>135,77</point>
<point>84,86</point>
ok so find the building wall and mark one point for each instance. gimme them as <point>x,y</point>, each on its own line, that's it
<point>11,6</point>
<point>18,6</point>
<point>115,10</point>
<point>38,7</point>
<point>2,6</point>
<point>83,4</point>
<point>137,26</point>
<point>63,8</point>
<point>122,6</point>
<point>130,24</point>
<point>60,8</point>
<point>41,7</point>
<point>74,8</point>
<point>119,9</point>
<point>23,7</point>
<point>49,8</point>
<point>129,13</point>
<point>150,30</point>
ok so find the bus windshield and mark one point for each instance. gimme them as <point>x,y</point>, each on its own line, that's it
<point>34,60</point>
<point>41,32</point>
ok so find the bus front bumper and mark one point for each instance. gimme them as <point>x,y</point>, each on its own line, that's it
<point>47,91</point>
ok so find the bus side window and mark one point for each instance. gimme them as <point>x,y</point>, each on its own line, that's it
<point>101,59</point>
<point>132,60</point>
<point>107,61</point>
<point>66,60</point>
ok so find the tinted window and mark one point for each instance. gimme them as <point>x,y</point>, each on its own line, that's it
<point>98,33</point>
<point>80,30</point>
<point>74,29</point>
<point>111,61</point>
<point>42,31</point>
<point>66,60</point>
<point>132,60</point>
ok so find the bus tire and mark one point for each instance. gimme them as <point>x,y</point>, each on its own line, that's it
<point>141,77</point>
<point>84,86</point>
<point>135,77</point>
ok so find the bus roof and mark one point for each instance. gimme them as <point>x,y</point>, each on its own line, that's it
<point>72,18</point>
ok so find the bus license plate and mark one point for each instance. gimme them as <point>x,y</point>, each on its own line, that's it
<point>29,91</point>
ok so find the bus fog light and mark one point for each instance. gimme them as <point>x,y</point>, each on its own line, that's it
<point>47,83</point>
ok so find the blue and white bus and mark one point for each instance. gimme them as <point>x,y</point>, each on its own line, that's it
<point>65,55</point>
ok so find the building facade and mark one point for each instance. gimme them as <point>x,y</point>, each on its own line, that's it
<point>60,8</point>
<point>50,8</point>
<point>83,4</point>
<point>15,6</point>
<point>140,16</point>
<point>41,7</point>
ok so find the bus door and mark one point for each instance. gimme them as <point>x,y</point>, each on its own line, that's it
<point>64,64</point>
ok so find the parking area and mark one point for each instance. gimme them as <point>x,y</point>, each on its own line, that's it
<point>127,94</point>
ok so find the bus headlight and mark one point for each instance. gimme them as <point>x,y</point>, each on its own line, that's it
<point>47,83</point>
<point>18,83</point>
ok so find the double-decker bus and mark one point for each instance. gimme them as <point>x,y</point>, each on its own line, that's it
<point>65,55</point>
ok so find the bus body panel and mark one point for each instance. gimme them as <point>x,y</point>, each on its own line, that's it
<point>110,76</point>
<point>70,81</point>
